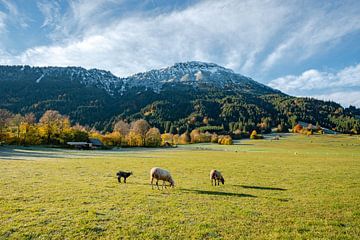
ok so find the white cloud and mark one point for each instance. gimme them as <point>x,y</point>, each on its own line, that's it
<point>318,28</point>
<point>344,98</point>
<point>14,15</point>
<point>84,18</point>
<point>51,12</point>
<point>342,86</point>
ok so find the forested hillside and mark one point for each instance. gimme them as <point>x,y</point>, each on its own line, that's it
<point>174,99</point>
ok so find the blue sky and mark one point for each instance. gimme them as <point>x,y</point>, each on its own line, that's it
<point>304,48</point>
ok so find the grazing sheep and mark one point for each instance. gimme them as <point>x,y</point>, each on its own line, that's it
<point>216,175</point>
<point>160,174</point>
<point>124,175</point>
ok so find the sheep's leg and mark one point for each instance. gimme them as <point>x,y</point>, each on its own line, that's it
<point>218,182</point>
<point>152,180</point>
<point>124,179</point>
<point>157,183</point>
<point>163,185</point>
<point>119,179</point>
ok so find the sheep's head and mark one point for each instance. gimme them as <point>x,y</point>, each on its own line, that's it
<point>131,173</point>
<point>172,182</point>
<point>222,180</point>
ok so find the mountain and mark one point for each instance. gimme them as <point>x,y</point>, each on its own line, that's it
<point>185,95</point>
<point>197,75</point>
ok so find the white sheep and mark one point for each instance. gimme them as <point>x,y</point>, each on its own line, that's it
<point>161,174</point>
<point>216,175</point>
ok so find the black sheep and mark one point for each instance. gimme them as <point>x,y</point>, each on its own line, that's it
<point>124,175</point>
<point>216,175</point>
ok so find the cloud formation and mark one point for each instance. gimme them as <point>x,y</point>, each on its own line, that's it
<point>313,33</point>
<point>254,38</point>
<point>247,36</point>
<point>50,11</point>
<point>13,14</point>
<point>342,86</point>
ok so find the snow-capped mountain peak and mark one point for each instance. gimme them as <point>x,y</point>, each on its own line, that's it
<point>190,73</point>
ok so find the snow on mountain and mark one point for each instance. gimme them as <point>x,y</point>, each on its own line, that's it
<point>191,73</point>
<point>93,77</point>
<point>196,74</point>
<point>39,79</point>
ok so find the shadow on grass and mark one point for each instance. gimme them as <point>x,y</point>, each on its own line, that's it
<point>24,154</point>
<point>218,193</point>
<point>128,182</point>
<point>143,184</point>
<point>261,188</point>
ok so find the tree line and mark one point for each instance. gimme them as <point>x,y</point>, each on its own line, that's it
<point>53,128</point>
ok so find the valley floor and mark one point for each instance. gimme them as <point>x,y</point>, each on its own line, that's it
<point>295,188</point>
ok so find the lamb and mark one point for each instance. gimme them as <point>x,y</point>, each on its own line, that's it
<point>124,175</point>
<point>216,175</point>
<point>161,174</point>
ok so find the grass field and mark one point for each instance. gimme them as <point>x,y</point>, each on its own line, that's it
<point>295,188</point>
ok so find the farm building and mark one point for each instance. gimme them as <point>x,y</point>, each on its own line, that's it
<point>93,143</point>
<point>314,128</point>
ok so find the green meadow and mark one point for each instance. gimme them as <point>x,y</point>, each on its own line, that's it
<point>296,188</point>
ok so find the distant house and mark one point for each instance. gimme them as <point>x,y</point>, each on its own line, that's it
<point>79,145</point>
<point>308,125</point>
<point>93,143</point>
<point>314,128</point>
<point>328,131</point>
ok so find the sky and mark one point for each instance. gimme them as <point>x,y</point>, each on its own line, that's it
<point>303,48</point>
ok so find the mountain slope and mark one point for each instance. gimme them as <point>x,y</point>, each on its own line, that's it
<point>196,74</point>
<point>185,95</point>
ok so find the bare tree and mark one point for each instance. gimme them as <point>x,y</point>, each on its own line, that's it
<point>140,127</point>
<point>122,127</point>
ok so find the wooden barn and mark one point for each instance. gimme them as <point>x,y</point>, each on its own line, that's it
<point>93,143</point>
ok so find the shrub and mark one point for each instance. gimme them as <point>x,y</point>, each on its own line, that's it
<point>225,140</point>
<point>176,138</point>
<point>205,137</point>
<point>166,138</point>
<point>184,138</point>
<point>254,135</point>
<point>297,128</point>
<point>214,138</point>
<point>195,136</point>
<point>112,139</point>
